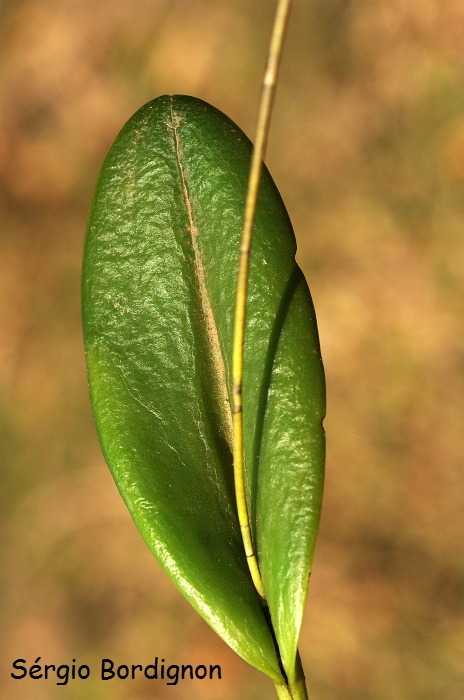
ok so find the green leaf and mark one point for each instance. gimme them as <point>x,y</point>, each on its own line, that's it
<point>159,280</point>
<point>289,466</point>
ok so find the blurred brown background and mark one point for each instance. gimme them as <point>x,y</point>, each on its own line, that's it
<point>367,147</point>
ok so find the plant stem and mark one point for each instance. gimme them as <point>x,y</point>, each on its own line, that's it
<point>297,692</point>
<point>296,688</point>
<point>283,692</point>
<point>262,131</point>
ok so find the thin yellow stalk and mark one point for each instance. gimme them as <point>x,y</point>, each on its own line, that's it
<point>262,130</point>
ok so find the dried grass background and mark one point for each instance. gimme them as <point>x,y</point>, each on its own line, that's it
<point>367,147</point>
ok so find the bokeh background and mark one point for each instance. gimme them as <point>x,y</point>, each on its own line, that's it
<point>367,148</point>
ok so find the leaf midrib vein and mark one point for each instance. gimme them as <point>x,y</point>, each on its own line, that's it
<point>212,335</point>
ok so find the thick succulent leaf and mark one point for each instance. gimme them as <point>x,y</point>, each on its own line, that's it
<point>290,472</point>
<point>159,282</point>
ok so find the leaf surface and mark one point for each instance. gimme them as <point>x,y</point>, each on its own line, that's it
<point>159,280</point>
